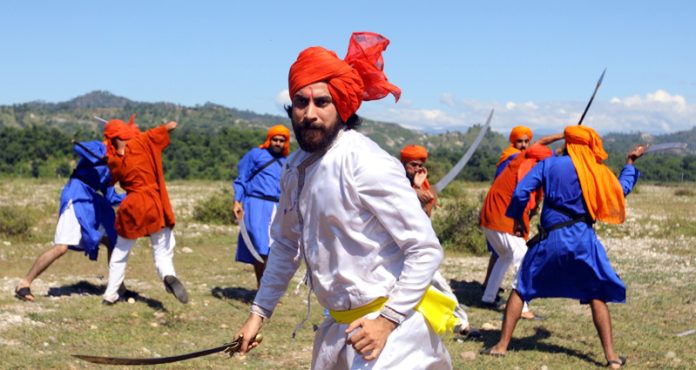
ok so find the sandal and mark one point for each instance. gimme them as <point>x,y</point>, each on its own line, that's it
<point>621,361</point>
<point>24,294</point>
<point>489,351</point>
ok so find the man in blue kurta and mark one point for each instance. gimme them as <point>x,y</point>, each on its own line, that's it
<point>256,194</point>
<point>569,261</point>
<point>86,213</point>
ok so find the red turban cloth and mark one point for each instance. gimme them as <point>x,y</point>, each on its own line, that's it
<point>119,129</point>
<point>413,152</point>
<point>515,134</point>
<point>278,130</point>
<point>601,189</point>
<point>359,76</point>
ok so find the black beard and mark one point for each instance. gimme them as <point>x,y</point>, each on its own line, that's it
<point>312,138</point>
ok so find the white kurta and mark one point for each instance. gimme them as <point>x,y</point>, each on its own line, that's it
<point>363,235</point>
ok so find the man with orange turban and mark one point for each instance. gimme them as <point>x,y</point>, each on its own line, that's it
<point>135,162</point>
<point>498,228</point>
<point>413,157</point>
<point>569,261</point>
<point>520,139</point>
<point>347,210</point>
<point>256,194</point>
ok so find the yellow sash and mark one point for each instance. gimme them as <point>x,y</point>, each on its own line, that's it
<point>436,307</point>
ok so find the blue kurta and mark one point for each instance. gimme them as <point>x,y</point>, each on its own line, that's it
<point>259,197</point>
<point>92,209</point>
<point>570,262</point>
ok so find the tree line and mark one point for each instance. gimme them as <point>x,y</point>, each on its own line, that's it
<point>200,153</point>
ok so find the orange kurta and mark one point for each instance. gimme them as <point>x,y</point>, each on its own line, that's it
<point>500,194</point>
<point>146,208</point>
<point>426,205</point>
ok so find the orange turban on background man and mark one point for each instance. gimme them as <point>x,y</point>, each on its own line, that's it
<point>116,128</point>
<point>515,134</point>
<point>601,189</point>
<point>413,152</point>
<point>358,77</point>
<point>278,130</point>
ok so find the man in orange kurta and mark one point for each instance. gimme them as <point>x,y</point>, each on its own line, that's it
<point>413,158</point>
<point>498,228</point>
<point>135,161</point>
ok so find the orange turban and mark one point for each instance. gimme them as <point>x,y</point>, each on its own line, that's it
<point>515,133</point>
<point>600,187</point>
<point>519,131</point>
<point>413,152</point>
<point>278,130</point>
<point>119,129</point>
<point>359,76</point>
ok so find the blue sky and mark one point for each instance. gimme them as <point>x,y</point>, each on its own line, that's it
<point>535,62</point>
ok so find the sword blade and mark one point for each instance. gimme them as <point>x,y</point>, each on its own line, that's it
<point>247,240</point>
<point>665,146</point>
<point>599,83</point>
<point>100,119</point>
<point>465,158</point>
<point>157,360</point>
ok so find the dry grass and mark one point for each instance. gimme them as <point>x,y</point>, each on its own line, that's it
<point>653,252</point>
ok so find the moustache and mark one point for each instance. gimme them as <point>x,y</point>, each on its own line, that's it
<point>310,125</point>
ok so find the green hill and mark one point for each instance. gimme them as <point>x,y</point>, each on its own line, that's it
<point>211,139</point>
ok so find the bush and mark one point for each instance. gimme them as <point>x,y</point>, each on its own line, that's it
<point>216,209</point>
<point>684,192</point>
<point>456,223</point>
<point>15,221</point>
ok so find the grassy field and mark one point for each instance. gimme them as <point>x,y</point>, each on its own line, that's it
<point>653,252</point>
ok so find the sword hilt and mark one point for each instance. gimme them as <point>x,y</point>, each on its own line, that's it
<point>236,344</point>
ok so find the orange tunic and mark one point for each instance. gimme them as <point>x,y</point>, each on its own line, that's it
<point>421,194</point>
<point>500,194</point>
<point>146,208</point>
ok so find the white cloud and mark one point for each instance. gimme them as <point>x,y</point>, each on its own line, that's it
<point>656,112</point>
<point>447,99</point>
<point>283,99</point>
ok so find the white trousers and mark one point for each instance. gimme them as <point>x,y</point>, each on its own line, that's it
<point>441,284</point>
<point>412,345</point>
<point>162,242</point>
<point>510,250</point>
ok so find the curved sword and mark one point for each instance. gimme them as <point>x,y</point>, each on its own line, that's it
<point>247,240</point>
<point>230,348</point>
<point>599,83</point>
<point>465,158</point>
<point>665,146</point>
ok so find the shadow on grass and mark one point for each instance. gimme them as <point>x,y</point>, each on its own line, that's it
<point>535,343</point>
<point>243,295</point>
<point>86,288</point>
<point>468,292</point>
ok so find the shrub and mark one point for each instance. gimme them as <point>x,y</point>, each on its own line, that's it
<point>15,221</point>
<point>216,209</point>
<point>683,192</point>
<point>456,223</point>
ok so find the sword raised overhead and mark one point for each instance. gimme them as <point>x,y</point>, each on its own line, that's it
<point>599,83</point>
<point>465,158</point>
<point>230,348</point>
<point>100,119</point>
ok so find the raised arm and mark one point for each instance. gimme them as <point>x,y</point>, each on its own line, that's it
<point>546,140</point>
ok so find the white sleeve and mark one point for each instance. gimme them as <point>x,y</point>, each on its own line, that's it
<point>282,261</point>
<point>385,191</point>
